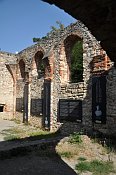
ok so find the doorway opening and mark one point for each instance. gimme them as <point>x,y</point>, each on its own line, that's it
<point>1,108</point>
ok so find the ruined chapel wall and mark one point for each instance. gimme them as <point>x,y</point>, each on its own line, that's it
<point>80,90</point>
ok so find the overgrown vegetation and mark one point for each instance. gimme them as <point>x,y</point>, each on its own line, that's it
<point>77,54</point>
<point>75,138</point>
<point>17,121</point>
<point>53,29</point>
<point>82,159</point>
<point>97,167</point>
<point>11,137</point>
<point>66,154</point>
<point>77,62</point>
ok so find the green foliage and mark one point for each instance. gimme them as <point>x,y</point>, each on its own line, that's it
<point>44,37</point>
<point>61,26</point>
<point>36,39</point>
<point>77,62</point>
<point>17,121</point>
<point>11,137</point>
<point>75,138</point>
<point>27,132</point>
<point>83,166</point>
<point>66,154</point>
<point>42,67</point>
<point>96,167</point>
<point>53,29</point>
<point>81,158</point>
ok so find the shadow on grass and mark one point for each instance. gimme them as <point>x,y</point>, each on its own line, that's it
<point>13,152</point>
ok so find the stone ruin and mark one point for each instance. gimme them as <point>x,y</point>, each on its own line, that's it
<point>35,84</point>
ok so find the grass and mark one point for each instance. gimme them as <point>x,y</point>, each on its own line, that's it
<point>11,137</point>
<point>38,133</point>
<point>26,132</point>
<point>75,138</point>
<point>96,167</point>
<point>13,130</point>
<point>12,133</point>
<point>66,154</point>
<point>82,159</point>
<point>17,121</point>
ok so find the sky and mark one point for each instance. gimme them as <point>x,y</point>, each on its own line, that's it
<point>22,20</point>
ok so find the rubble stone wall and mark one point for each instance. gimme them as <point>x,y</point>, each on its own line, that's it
<point>56,51</point>
<point>6,85</point>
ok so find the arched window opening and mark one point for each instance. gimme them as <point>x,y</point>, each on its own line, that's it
<point>74,58</point>
<point>77,62</point>
<point>22,68</point>
<point>39,64</point>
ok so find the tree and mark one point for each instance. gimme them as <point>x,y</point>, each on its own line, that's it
<point>77,62</point>
<point>36,39</point>
<point>53,29</point>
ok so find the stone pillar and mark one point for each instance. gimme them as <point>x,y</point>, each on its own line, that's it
<point>27,99</point>
<point>14,99</point>
<point>47,109</point>
<point>47,104</point>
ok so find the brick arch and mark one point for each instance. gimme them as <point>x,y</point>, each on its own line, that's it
<point>21,68</point>
<point>65,56</point>
<point>35,49</point>
<point>100,19</point>
<point>37,64</point>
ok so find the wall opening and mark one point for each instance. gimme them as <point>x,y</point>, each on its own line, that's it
<point>39,64</point>
<point>77,62</point>
<point>1,108</point>
<point>22,68</point>
<point>74,56</point>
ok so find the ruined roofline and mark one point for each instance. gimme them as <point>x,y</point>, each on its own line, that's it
<point>78,24</point>
<point>8,53</point>
<point>80,28</point>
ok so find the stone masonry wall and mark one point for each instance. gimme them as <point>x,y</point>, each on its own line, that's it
<point>59,87</point>
<point>90,48</point>
<point>56,49</point>
<point>6,85</point>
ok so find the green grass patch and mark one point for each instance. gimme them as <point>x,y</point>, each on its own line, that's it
<point>17,121</point>
<point>37,133</point>
<point>27,133</point>
<point>96,167</point>
<point>13,130</point>
<point>75,138</point>
<point>82,159</point>
<point>65,154</point>
<point>11,137</point>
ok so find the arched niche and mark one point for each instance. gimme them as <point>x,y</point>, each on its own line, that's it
<point>71,60</point>
<point>21,70</point>
<point>37,65</point>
